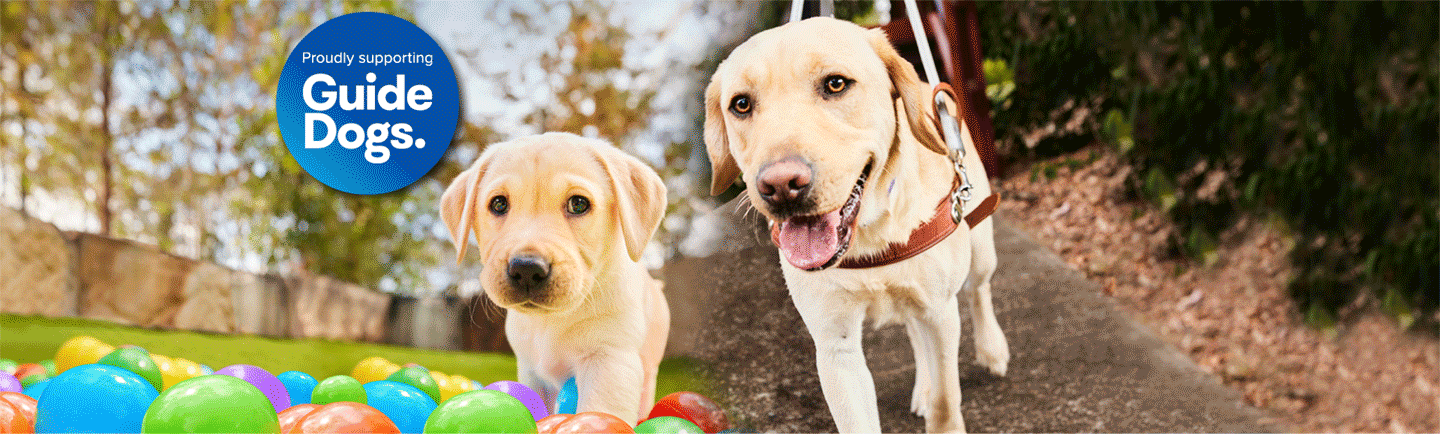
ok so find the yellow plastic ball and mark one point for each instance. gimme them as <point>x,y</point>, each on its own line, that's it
<point>373,369</point>
<point>188,368</point>
<point>464,383</point>
<point>80,350</point>
<point>448,386</point>
<point>170,371</point>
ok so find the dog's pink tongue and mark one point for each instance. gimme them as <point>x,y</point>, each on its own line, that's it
<point>810,242</point>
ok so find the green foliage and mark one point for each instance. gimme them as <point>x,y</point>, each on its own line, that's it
<point>1322,113</point>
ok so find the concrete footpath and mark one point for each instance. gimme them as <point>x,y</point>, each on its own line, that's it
<point>1077,364</point>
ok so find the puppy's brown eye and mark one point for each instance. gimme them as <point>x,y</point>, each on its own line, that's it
<point>499,205</point>
<point>835,84</point>
<point>740,105</point>
<point>577,205</point>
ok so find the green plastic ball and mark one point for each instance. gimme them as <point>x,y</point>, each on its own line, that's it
<point>211,404</point>
<point>337,389</point>
<point>33,378</point>
<point>668,425</point>
<point>489,411</point>
<point>138,361</point>
<point>8,366</point>
<point>49,365</point>
<point>418,377</point>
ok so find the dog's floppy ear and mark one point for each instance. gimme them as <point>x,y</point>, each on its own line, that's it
<point>457,205</point>
<point>723,169</point>
<point>915,94</point>
<point>639,198</point>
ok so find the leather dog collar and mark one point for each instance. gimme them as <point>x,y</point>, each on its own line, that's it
<point>930,233</point>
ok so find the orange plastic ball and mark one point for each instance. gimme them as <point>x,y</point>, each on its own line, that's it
<point>13,420</point>
<point>549,423</point>
<point>28,369</point>
<point>291,415</point>
<point>593,422</point>
<point>345,417</point>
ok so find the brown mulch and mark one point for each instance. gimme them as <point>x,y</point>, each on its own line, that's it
<point>1233,316</point>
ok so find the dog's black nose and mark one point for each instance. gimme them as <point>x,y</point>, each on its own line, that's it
<point>785,182</point>
<point>527,273</point>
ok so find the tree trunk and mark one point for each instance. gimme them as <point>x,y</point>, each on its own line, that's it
<point>106,138</point>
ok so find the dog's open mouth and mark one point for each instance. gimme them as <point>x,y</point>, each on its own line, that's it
<point>816,242</point>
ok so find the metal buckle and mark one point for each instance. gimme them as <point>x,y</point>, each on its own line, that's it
<point>950,128</point>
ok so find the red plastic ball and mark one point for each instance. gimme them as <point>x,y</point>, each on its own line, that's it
<point>693,407</point>
<point>549,423</point>
<point>593,422</point>
<point>291,415</point>
<point>345,417</point>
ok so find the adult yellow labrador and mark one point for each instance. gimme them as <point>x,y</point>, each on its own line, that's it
<point>830,128</point>
<point>561,222</point>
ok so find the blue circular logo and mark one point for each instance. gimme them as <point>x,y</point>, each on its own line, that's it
<point>367,103</point>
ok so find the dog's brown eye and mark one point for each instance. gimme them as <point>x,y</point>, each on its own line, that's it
<point>740,105</point>
<point>835,84</point>
<point>499,205</point>
<point>577,205</point>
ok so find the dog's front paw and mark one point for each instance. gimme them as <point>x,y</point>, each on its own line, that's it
<point>920,398</point>
<point>996,359</point>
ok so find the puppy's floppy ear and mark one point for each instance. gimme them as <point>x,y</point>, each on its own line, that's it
<point>723,169</point>
<point>915,94</point>
<point>639,198</point>
<point>457,205</point>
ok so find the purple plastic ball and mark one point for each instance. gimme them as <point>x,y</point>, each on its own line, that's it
<point>526,396</point>
<point>8,383</point>
<point>263,380</point>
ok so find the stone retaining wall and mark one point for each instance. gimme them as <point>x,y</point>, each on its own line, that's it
<point>44,271</point>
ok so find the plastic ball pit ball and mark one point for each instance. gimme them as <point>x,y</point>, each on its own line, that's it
<point>32,379</point>
<point>344,417</point>
<point>294,414</point>
<point>373,369</point>
<point>693,407</point>
<point>593,422</point>
<point>548,424</point>
<point>567,401</point>
<point>138,361</point>
<point>488,411</point>
<point>49,365</point>
<point>420,378</point>
<point>80,350</point>
<point>36,389</point>
<point>267,383</point>
<point>211,404</point>
<point>8,366</point>
<point>405,405</point>
<point>532,400</point>
<point>94,398</point>
<point>24,408</point>
<point>337,389</point>
<point>27,370</point>
<point>299,385</point>
<point>668,425</point>
<point>8,383</point>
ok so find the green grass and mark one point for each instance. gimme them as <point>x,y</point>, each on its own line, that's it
<point>28,339</point>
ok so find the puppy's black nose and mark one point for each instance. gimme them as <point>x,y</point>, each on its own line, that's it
<point>785,182</point>
<point>527,273</point>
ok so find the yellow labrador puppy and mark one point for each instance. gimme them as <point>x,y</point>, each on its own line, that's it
<point>830,128</point>
<point>561,222</point>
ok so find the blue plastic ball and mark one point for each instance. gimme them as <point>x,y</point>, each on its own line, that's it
<point>94,399</point>
<point>35,390</point>
<point>299,384</point>
<point>404,404</point>
<point>568,399</point>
